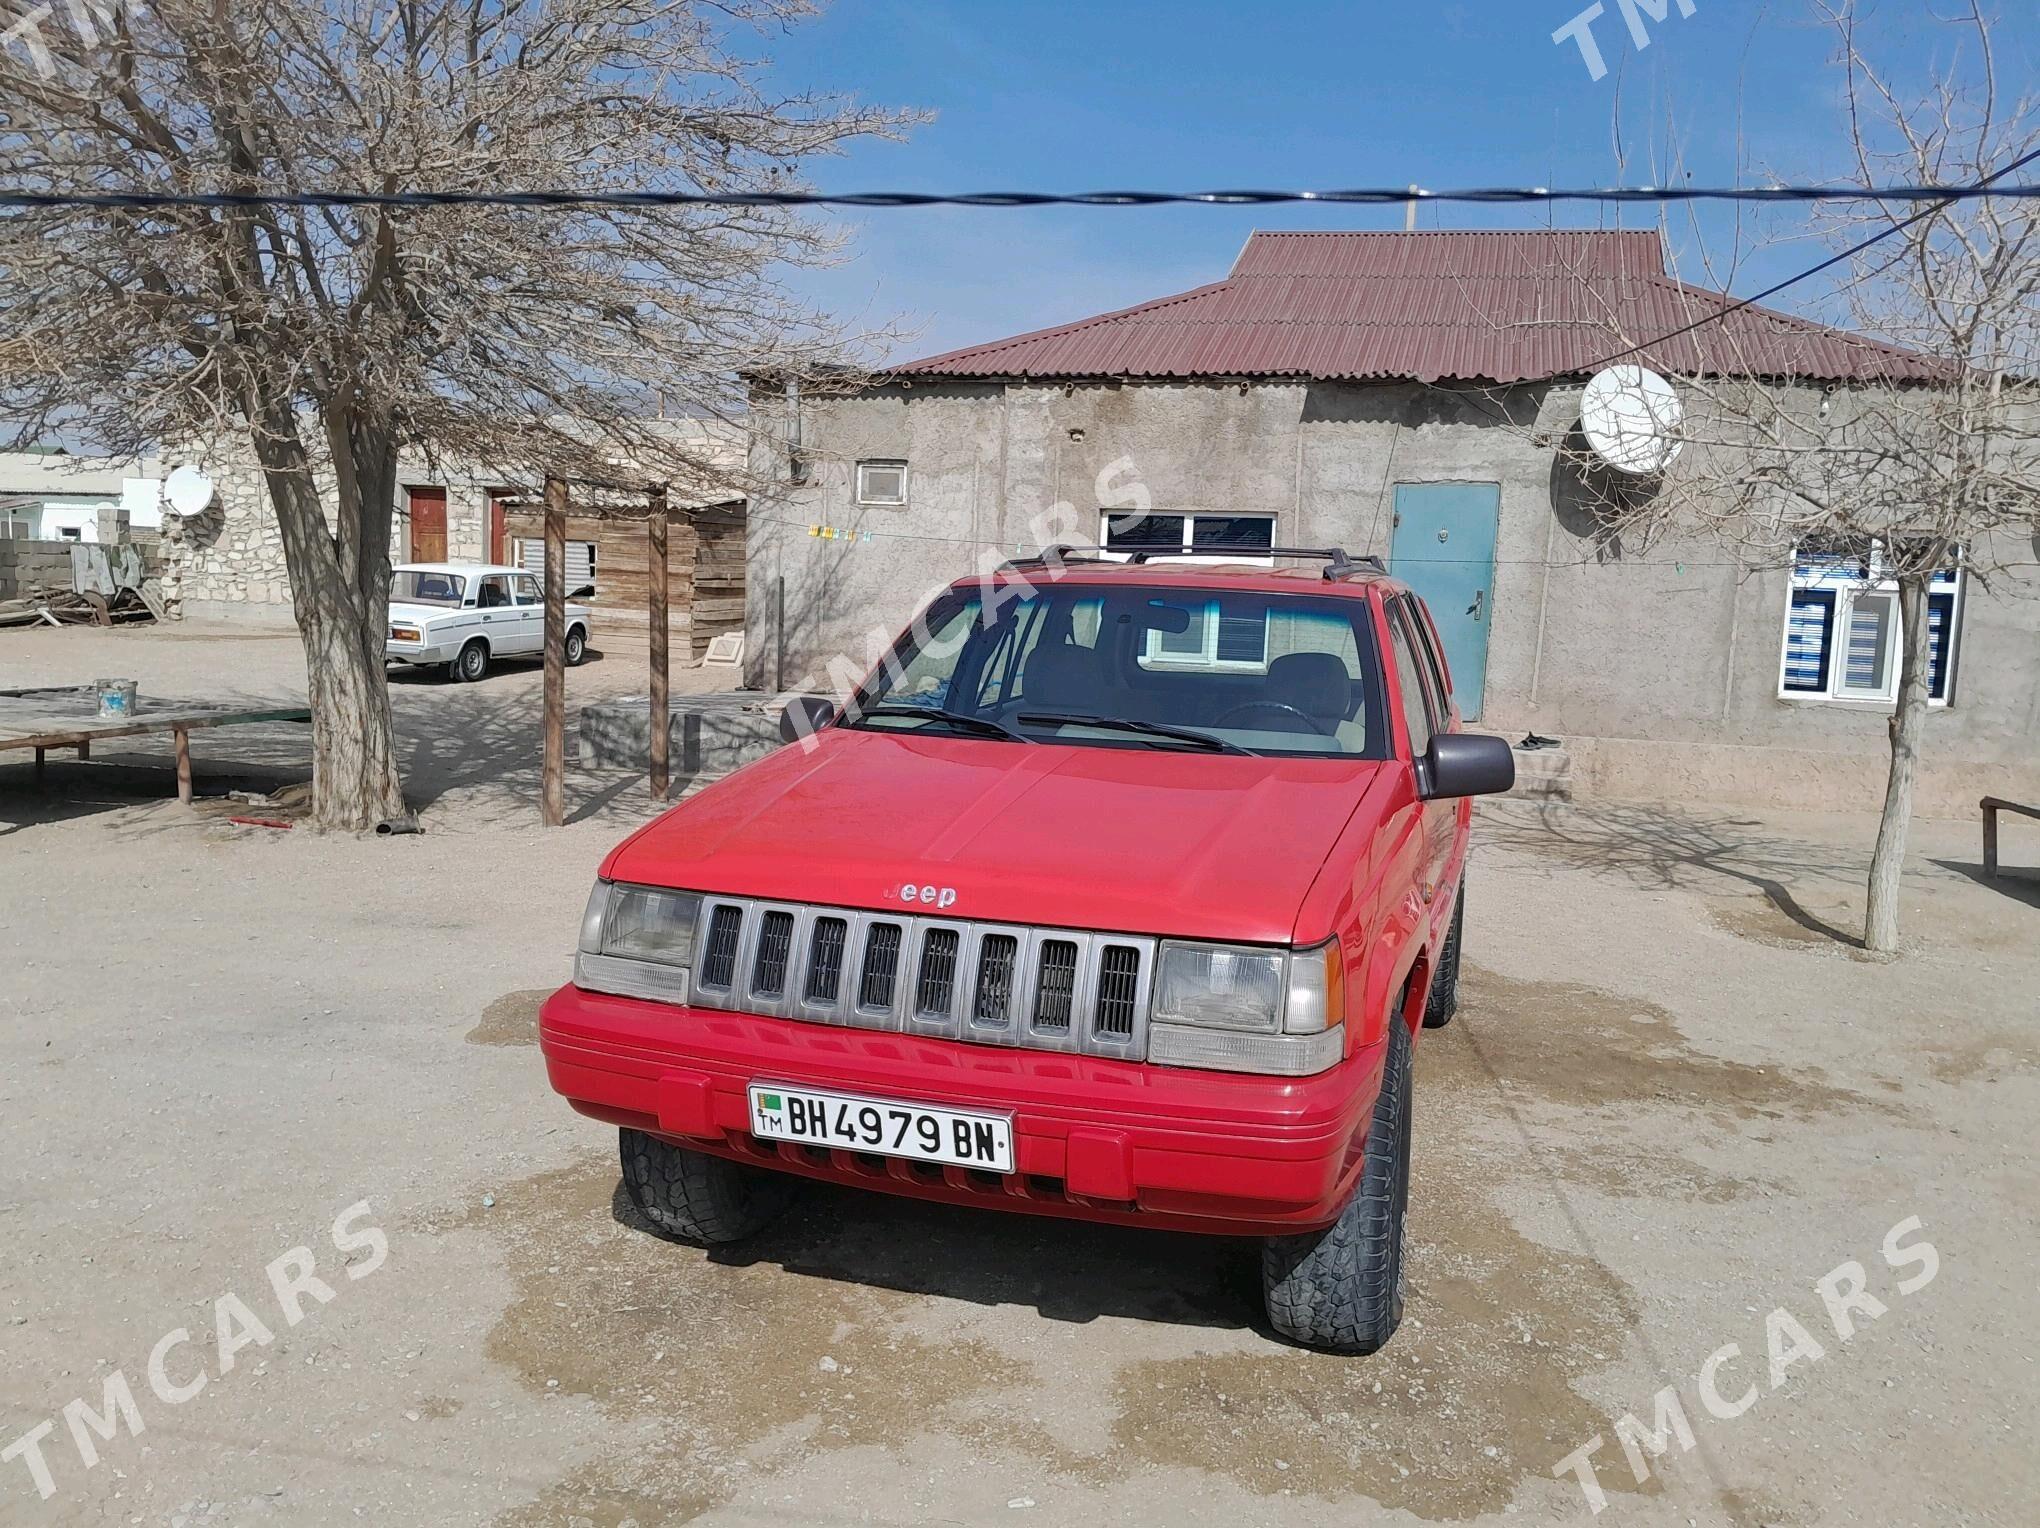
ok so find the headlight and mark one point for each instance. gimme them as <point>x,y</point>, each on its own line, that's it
<point>1216,987</point>
<point>1245,1009</point>
<point>637,941</point>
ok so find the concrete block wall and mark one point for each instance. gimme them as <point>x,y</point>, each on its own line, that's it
<point>1671,653</point>
<point>33,567</point>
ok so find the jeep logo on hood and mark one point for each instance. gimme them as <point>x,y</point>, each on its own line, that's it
<point>935,896</point>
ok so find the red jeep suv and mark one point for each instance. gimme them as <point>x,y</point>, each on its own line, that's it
<point>1118,891</point>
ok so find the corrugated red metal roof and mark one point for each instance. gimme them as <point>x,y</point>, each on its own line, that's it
<point>1434,307</point>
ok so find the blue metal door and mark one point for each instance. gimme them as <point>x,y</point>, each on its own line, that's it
<point>1444,548</point>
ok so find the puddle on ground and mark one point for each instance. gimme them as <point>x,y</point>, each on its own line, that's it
<point>864,1320</point>
<point>1570,1044</point>
<point>511,1020</point>
<point>1473,1397</point>
<point>739,1358</point>
<point>1986,1059</point>
<point>1762,921</point>
<point>1100,1353</point>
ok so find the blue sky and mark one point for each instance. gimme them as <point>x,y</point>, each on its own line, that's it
<point>1196,94</point>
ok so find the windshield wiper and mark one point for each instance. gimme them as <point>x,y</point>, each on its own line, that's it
<point>982,726</point>
<point>1126,724</point>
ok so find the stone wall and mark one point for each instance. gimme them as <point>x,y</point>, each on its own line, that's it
<point>232,554</point>
<point>228,564</point>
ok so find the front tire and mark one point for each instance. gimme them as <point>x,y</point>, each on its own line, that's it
<point>577,647</point>
<point>1341,1289</point>
<point>1443,1001</point>
<point>472,663</point>
<point>690,1196</point>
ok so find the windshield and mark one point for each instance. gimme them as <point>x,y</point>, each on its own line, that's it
<point>427,588</point>
<point>1130,667</point>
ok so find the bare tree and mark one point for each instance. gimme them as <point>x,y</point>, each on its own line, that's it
<point>1923,477</point>
<point>329,339</point>
<point>1924,458</point>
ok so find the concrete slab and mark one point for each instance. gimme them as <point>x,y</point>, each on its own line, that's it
<point>1543,774</point>
<point>711,734</point>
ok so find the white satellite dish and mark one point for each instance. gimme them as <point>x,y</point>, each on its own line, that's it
<point>1632,417</point>
<point>188,489</point>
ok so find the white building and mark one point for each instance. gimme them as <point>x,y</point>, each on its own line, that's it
<point>52,496</point>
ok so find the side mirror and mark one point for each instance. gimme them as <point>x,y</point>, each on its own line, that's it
<point>1466,764</point>
<point>804,716</point>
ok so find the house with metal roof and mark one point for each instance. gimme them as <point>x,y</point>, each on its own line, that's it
<point>1414,397</point>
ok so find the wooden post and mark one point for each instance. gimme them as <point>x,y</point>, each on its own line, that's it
<point>182,739</point>
<point>655,609</point>
<point>553,799</point>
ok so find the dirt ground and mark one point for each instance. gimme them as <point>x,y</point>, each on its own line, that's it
<point>1675,1098</point>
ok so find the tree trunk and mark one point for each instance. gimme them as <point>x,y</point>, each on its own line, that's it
<point>355,781</point>
<point>1908,725</point>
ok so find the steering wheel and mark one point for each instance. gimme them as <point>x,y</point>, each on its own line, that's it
<point>1274,705</point>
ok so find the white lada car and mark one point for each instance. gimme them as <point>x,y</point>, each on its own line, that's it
<point>465,615</point>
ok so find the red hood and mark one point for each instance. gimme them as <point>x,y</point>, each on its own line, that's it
<point>1126,839</point>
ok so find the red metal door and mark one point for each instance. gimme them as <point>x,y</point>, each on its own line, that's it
<point>499,542</point>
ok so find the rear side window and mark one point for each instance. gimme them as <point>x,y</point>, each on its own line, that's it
<point>1434,661</point>
<point>1409,681</point>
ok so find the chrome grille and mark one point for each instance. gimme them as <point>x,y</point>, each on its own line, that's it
<point>993,1005</point>
<point>1118,982</point>
<point>825,960</point>
<point>719,960</point>
<point>1056,992</point>
<point>935,990</point>
<point>775,943</point>
<point>990,983</point>
<point>881,966</point>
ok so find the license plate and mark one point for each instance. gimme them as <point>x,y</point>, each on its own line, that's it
<point>883,1126</point>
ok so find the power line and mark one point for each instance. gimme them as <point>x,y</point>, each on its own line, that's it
<point>1982,188</point>
<point>143,201</point>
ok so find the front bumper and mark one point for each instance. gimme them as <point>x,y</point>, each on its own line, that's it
<point>1094,1139</point>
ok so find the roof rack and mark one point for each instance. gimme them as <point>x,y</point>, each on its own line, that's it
<point>1338,563</point>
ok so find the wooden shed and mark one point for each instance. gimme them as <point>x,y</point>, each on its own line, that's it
<point>705,565</point>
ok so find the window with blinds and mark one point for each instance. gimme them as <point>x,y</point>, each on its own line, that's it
<point>1844,638</point>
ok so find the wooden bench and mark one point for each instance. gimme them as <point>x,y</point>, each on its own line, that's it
<point>67,716</point>
<point>1992,805</point>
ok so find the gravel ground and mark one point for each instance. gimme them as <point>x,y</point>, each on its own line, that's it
<point>1674,1099</point>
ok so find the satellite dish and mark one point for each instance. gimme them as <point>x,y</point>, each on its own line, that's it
<point>188,489</point>
<point>1631,417</point>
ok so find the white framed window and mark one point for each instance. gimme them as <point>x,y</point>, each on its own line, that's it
<point>882,482</point>
<point>1204,538</point>
<point>1843,634</point>
<point>1211,638</point>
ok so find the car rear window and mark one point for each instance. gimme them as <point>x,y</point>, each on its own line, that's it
<point>415,588</point>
